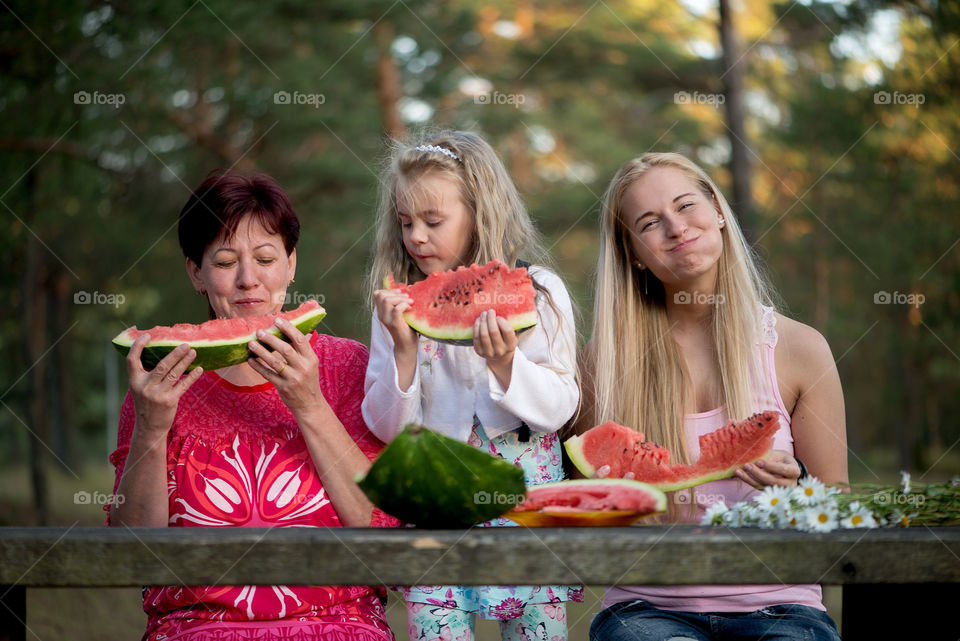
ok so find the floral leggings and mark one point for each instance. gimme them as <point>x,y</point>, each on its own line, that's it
<point>537,623</point>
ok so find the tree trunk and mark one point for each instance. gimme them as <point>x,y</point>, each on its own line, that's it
<point>733,66</point>
<point>65,426</point>
<point>34,329</point>
<point>388,82</point>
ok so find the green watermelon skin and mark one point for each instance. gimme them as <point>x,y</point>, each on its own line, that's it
<point>214,352</point>
<point>624,450</point>
<point>436,482</point>
<point>446,304</point>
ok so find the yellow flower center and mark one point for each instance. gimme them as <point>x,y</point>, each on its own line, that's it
<point>774,501</point>
<point>822,517</point>
<point>857,519</point>
<point>808,491</point>
<point>905,521</point>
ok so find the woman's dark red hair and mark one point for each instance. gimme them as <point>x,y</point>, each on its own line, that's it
<point>223,200</point>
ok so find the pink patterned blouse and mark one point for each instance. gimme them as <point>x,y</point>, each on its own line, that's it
<point>236,458</point>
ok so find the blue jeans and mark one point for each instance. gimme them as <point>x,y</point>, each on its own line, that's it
<point>640,621</point>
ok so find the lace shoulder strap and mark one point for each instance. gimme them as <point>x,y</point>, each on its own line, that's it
<point>768,326</point>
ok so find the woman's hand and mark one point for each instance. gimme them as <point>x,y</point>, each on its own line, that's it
<point>292,367</point>
<point>156,393</point>
<point>495,340</point>
<point>779,468</point>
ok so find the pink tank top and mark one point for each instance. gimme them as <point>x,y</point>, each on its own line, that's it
<point>729,598</point>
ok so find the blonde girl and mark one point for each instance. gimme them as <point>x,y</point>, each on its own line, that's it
<point>685,337</point>
<point>447,201</point>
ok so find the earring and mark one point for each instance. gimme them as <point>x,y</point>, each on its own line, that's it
<point>291,282</point>
<point>721,221</point>
<point>645,282</point>
<point>201,292</point>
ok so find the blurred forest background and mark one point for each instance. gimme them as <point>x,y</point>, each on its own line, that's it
<point>832,126</point>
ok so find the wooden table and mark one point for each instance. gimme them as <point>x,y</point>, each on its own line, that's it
<point>116,557</point>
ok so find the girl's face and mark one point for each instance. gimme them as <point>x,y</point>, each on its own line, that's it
<point>673,229</point>
<point>436,224</point>
<point>247,274</point>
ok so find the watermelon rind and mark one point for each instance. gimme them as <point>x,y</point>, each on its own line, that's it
<point>574,448</point>
<point>214,354</point>
<point>434,481</point>
<point>457,334</point>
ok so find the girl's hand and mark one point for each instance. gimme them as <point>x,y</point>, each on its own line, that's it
<point>495,340</point>
<point>292,367</point>
<point>156,393</point>
<point>780,468</point>
<point>391,304</point>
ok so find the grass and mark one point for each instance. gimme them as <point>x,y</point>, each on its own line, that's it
<point>85,614</point>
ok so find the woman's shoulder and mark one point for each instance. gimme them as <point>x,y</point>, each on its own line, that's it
<point>800,343</point>
<point>339,350</point>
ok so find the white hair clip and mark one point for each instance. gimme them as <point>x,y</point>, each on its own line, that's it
<point>441,150</point>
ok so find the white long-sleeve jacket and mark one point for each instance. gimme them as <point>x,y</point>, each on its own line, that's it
<point>452,383</point>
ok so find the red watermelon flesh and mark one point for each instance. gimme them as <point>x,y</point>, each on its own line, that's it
<point>218,343</point>
<point>446,304</point>
<point>588,502</point>
<point>625,452</point>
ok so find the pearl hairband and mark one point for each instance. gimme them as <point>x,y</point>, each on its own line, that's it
<point>441,150</point>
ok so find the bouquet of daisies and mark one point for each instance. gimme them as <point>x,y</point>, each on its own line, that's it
<point>813,506</point>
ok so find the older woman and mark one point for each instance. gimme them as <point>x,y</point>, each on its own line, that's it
<point>275,441</point>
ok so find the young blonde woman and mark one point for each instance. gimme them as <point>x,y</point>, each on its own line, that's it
<point>447,201</point>
<point>685,337</point>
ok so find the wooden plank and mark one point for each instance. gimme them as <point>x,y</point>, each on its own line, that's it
<point>359,556</point>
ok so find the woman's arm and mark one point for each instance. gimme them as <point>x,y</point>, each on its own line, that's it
<point>141,495</point>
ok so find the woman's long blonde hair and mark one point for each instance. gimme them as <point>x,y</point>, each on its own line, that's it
<point>639,377</point>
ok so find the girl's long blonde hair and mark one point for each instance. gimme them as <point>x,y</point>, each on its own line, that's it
<point>502,228</point>
<point>639,377</point>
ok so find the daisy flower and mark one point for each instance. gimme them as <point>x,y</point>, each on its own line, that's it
<point>714,514</point>
<point>809,491</point>
<point>820,518</point>
<point>773,498</point>
<point>859,517</point>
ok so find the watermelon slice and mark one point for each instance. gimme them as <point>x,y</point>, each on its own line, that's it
<point>625,451</point>
<point>607,502</point>
<point>446,304</point>
<point>219,343</point>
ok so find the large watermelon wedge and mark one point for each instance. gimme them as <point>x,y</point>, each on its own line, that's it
<point>588,502</point>
<point>446,304</point>
<point>433,481</point>
<point>625,451</point>
<point>219,343</point>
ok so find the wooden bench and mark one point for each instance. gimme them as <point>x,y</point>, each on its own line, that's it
<point>873,565</point>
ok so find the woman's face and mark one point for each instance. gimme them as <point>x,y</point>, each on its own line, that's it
<point>672,228</point>
<point>437,226</point>
<point>245,275</point>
